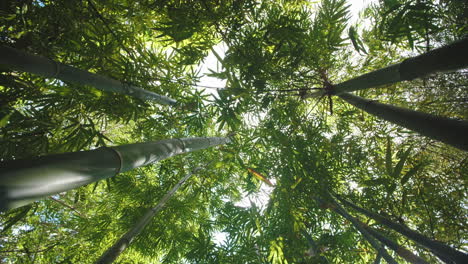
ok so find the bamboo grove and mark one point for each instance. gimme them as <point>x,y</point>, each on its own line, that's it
<point>233,131</point>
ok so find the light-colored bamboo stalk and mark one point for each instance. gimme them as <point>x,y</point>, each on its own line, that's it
<point>21,61</point>
<point>447,58</point>
<point>27,180</point>
<point>114,251</point>
<point>449,131</point>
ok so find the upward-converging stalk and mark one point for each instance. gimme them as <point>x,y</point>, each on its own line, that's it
<point>376,245</point>
<point>446,58</point>
<point>437,247</point>
<point>113,252</point>
<point>21,61</point>
<point>401,251</point>
<point>449,131</point>
<point>27,180</point>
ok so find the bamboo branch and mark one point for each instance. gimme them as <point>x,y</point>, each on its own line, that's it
<point>68,206</point>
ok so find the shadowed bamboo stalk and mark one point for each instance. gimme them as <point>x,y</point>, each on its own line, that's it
<point>401,251</point>
<point>113,252</point>
<point>335,206</point>
<point>449,131</point>
<point>20,61</point>
<point>378,258</point>
<point>447,58</point>
<point>27,180</point>
<point>439,248</point>
<point>314,250</point>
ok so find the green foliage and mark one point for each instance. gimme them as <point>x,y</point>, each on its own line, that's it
<point>357,42</point>
<point>276,52</point>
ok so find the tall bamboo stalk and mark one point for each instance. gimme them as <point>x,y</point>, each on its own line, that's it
<point>378,258</point>
<point>439,248</point>
<point>449,131</point>
<point>401,251</point>
<point>113,252</point>
<point>376,245</point>
<point>27,180</point>
<point>18,60</point>
<point>313,246</point>
<point>446,58</point>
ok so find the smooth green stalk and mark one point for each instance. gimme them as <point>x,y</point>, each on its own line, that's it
<point>401,251</point>
<point>20,61</point>
<point>439,248</point>
<point>313,246</point>
<point>27,180</point>
<point>449,131</point>
<point>376,245</point>
<point>378,258</point>
<point>446,58</point>
<point>113,252</point>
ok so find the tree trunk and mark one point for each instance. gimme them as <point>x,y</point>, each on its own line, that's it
<point>446,58</point>
<point>449,131</point>
<point>24,181</point>
<point>113,252</point>
<point>21,61</point>
<point>439,248</point>
<point>380,249</point>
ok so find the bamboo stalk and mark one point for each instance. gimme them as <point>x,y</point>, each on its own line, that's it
<point>449,131</point>
<point>378,258</point>
<point>439,248</point>
<point>20,61</point>
<point>313,247</point>
<point>447,58</point>
<point>114,251</point>
<point>377,246</point>
<point>27,180</point>
<point>401,251</point>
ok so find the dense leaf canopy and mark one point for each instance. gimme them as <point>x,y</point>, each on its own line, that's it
<point>263,197</point>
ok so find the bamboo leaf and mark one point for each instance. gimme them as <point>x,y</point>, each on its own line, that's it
<point>401,163</point>
<point>260,177</point>
<point>410,173</point>
<point>4,120</point>
<point>108,183</point>
<point>16,218</point>
<point>95,186</point>
<point>352,36</point>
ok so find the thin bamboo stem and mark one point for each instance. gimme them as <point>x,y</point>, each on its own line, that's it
<point>113,252</point>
